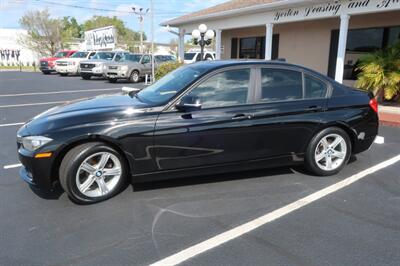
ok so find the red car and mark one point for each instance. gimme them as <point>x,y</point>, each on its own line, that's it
<point>47,65</point>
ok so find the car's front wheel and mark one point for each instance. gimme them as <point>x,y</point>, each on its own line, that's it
<point>134,76</point>
<point>328,152</point>
<point>112,80</point>
<point>92,172</point>
<point>86,76</point>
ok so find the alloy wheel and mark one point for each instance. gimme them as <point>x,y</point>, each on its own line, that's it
<point>330,152</point>
<point>98,174</point>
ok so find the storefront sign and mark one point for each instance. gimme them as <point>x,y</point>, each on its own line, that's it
<point>335,8</point>
<point>101,39</point>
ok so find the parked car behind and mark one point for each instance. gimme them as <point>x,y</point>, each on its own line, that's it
<point>194,56</point>
<point>70,66</point>
<point>133,67</point>
<point>205,118</point>
<point>97,65</point>
<point>47,65</point>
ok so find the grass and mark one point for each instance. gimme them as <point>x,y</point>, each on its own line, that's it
<point>29,68</point>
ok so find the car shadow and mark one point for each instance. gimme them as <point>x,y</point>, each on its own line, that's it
<point>210,179</point>
<point>53,194</point>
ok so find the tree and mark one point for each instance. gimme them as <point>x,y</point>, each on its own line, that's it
<point>44,33</point>
<point>71,28</point>
<point>125,36</point>
<point>380,73</point>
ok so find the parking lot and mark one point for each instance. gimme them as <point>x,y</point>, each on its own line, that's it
<point>278,216</point>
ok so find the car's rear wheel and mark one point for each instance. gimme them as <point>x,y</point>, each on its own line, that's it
<point>134,77</point>
<point>112,80</point>
<point>328,152</point>
<point>92,172</point>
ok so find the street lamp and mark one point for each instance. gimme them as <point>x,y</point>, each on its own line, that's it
<point>202,37</point>
<point>141,13</point>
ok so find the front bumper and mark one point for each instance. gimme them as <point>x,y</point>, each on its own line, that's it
<point>36,172</point>
<point>96,71</point>
<point>119,74</point>
<point>67,69</point>
<point>47,68</point>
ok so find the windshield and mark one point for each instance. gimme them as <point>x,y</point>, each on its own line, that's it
<point>189,56</point>
<point>104,55</point>
<point>61,54</point>
<point>167,87</point>
<point>79,55</point>
<point>133,57</point>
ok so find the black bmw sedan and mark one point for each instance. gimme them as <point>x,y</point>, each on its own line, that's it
<point>203,118</point>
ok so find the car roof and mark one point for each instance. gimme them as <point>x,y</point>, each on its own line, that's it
<point>216,64</point>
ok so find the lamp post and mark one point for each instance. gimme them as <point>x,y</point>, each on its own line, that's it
<point>140,12</point>
<point>202,37</point>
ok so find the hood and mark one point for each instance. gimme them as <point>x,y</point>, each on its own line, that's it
<point>91,61</point>
<point>104,108</point>
<point>49,59</point>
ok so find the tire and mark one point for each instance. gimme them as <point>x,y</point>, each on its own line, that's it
<point>134,77</point>
<point>86,76</point>
<point>46,72</point>
<point>322,159</point>
<point>98,186</point>
<point>63,74</point>
<point>112,80</point>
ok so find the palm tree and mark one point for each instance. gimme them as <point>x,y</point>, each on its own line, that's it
<point>380,73</point>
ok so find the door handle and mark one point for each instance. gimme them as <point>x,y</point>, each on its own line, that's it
<point>242,117</point>
<point>314,108</point>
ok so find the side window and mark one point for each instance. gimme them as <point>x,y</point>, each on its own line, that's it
<point>224,89</point>
<point>209,57</point>
<point>91,55</point>
<point>198,57</point>
<point>281,85</point>
<point>118,57</point>
<point>146,59</point>
<point>314,88</point>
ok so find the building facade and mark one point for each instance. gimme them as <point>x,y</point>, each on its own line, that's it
<point>327,36</point>
<point>11,52</point>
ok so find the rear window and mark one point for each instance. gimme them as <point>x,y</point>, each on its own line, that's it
<point>315,88</point>
<point>281,85</point>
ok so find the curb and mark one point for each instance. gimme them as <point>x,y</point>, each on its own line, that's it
<point>389,119</point>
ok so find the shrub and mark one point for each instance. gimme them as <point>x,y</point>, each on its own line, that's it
<point>165,68</point>
<point>380,73</point>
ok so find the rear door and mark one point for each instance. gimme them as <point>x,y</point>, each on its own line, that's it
<point>288,109</point>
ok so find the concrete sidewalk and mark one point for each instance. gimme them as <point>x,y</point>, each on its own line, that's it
<point>389,115</point>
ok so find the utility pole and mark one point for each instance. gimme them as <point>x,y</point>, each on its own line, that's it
<point>140,12</point>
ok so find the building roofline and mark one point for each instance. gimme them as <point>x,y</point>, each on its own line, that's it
<point>176,22</point>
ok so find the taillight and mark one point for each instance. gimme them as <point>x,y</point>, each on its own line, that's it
<point>374,104</point>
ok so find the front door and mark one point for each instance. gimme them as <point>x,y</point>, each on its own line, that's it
<point>146,63</point>
<point>220,132</point>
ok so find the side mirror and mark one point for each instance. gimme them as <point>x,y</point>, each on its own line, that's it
<point>188,104</point>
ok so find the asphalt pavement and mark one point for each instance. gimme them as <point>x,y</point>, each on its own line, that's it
<point>355,224</point>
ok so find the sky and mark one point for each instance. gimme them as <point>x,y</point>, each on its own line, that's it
<point>12,10</point>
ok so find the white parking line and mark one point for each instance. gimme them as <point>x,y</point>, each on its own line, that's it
<point>12,124</point>
<point>236,232</point>
<point>30,104</point>
<point>56,92</point>
<point>379,140</point>
<point>12,166</point>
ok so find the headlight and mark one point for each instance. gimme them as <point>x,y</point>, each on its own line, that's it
<point>33,143</point>
<point>124,68</point>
